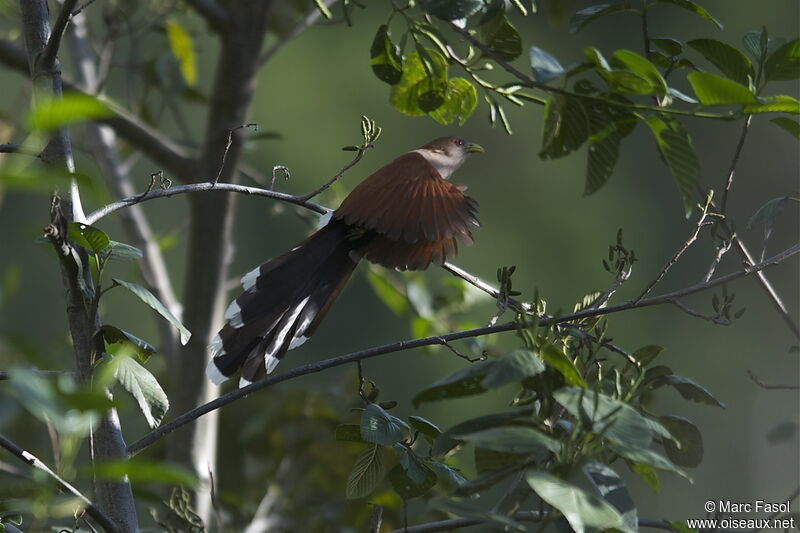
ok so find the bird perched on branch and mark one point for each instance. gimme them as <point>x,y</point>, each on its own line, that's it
<point>406,216</point>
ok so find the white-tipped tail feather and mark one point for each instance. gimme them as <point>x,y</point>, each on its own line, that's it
<point>214,374</point>
<point>249,280</point>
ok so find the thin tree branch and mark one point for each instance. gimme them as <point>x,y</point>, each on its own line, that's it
<point>310,18</point>
<point>519,307</point>
<point>734,161</point>
<point>91,509</point>
<point>767,386</point>
<point>319,366</point>
<point>216,15</point>
<point>716,319</point>
<point>47,57</point>
<point>327,184</point>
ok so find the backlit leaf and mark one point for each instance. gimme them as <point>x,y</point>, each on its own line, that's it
<point>380,427</point>
<point>676,149</point>
<point>367,472</point>
<point>144,388</point>
<point>784,63</point>
<point>147,297</point>
<point>587,15</point>
<point>70,108</point>
<point>545,66</point>
<point>182,47</point>
<point>716,90</point>
<point>694,8</point>
<point>387,64</point>
<point>727,59</point>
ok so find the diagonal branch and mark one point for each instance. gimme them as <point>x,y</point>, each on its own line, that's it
<point>403,345</point>
<point>47,58</point>
<point>216,15</point>
<point>310,18</point>
<point>34,462</point>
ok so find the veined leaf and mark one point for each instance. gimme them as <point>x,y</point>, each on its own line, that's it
<point>114,335</point>
<point>565,126</point>
<point>768,212</point>
<point>460,100</point>
<point>367,472</point>
<point>694,8</point>
<point>421,89</point>
<point>145,389</point>
<point>513,367</point>
<point>676,149</point>
<point>121,251</point>
<point>780,103</point>
<point>789,125</point>
<point>406,486</point>
<point>545,66</point>
<point>784,63</point>
<point>453,9</point>
<point>642,67</point>
<point>588,15</point>
<point>555,358</point>
<point>511,439</point>
<point>89,237</point>
<point>727,59</point>
<point>613,490</point>
<point>464,382</point>
<point>716,90</point>
<point>690,451</point>
<point>649,457</point>
<point>147,297</point>
<point>387,63</point>
<point>380,427</point>
<point>501,37</point>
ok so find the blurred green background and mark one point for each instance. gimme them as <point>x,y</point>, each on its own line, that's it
<point>534,216</point>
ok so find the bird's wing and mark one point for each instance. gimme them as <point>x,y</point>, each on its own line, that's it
<point>407,201</point>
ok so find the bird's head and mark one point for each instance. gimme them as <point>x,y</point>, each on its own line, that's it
<point>446,154</point>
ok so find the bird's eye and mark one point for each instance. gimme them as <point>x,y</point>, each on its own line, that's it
<point>459,142</point>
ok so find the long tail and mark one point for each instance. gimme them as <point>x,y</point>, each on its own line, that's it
<point>284,301</point>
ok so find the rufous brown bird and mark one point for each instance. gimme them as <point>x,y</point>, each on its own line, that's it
<point>405,216</point>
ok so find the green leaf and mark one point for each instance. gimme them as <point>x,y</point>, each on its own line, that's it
<point>388,293</point>
<point>147,297</point>
<point>421,89</point>
<point>607,128</point>
<point>120,251</point>
<point>752,41</point>
<point>694,8</point>
<point>648,474</point>
<point>789,125</point>
<point>89,237</point>
<point>784,63</point>
<point>558,360</point>
<point>565,126</point>
<point>86,291</point>
<point>465,382</point>
<point>145,389</point>
<point>646,354</point>
<point>367,472</point>
<point>676,150</point>
<point>349,433</point>
<point>407,487</point>
<point>587,15</point>
<point>613,490</point>
<point>545,66</point>
<point>114,335</point>
<point>768,212</point>
<point>460,100</point>
<point>447,475</point>
<point>445,442</point>
<point>648,457</point>
<point>581,509</point>
<point>86,400</point>
<point>716,90</point>
<point>513,367</point>
<point>671,47</point>
<point>780,103</point>
<point>380,427</point>
<point>614,419</point>
<point>642,67</point>
<point>690,452</point>
<point>143,470</point>
<point>511,439</point>
<point>627,82</point>
<point>387,63</point>
<point>69,109</point>
<point>501,37</point>
<point>727,59</point>
<point>453,9</point>
<point>688,389</point>
<point>182,47</point>
<point>426,427</point>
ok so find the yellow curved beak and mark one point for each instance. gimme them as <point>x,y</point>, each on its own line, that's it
<point>472,148</point>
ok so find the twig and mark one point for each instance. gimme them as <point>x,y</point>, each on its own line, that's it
<point>311,17</point>
<point>763,385</point>
<point>519,307</point>
<point>443,342</point>
<point>621,277</point>
<point>275,170</point>
<point>375,351</point>
<point>348,166</point>
<point>93,511</point>
<point>722,249</point>
<point>685,246</point>
<point>228,144</point>
<point>47,57</point>
<point>216,15</point>
<point>81,7</point>
<point>734,161</point>
<point>716,319</point>
<point>362,382</point>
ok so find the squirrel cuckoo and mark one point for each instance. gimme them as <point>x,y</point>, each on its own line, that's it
<point>406,216</point>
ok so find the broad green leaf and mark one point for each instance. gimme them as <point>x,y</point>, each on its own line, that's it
<point>627,82</point>
<point>121,251</point>
<point>413,465</point>
<point>690,451</point>
<point>513,367</point>
<point>147,297</point>
<point>688,389</point>
<point>613,490</point>
<point>789,125</point>
<point>671,47</point>
<point>780,103</point>
<point>614,419</point>
<point>87,291</point>
<point>694,8</point>
<point>646,354</point>
<point>648,474</point>
<point>449,477</point>
<point>85,400</point>
<point>784,63</point>
<point>558,360</point>
<point>407,487</point>
<point>565,126</point>
<point>367,472</point>
<point>545,66</point>
<point>460,100</point>
<point>488,478</point>
<point>607,128</point>
<point>89,237</point>
<point>587,15</point>
<point>511,439</point>
<point>649,457</point>
<point>420,89</point>
<point>642,67</point>
<point>768,212</point>
<point>114,335</point>
<point>487,459</point>
<point>182,47</point>
<point>349,433</point>
<point>69,109</point>
<point>501,37</point>
<point>145,389</point>
<point>716,90</point>
<point>465,382</point>
<point>387,63</point>
<point>752,41</point>
<point>139,470</point>
<point>388,293</point>
<point>453,9</point>
<point>676,150</point>
<point>380,427</point>
<point>581,509</point>
<point>727,59</point>
<point>426,427</point>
